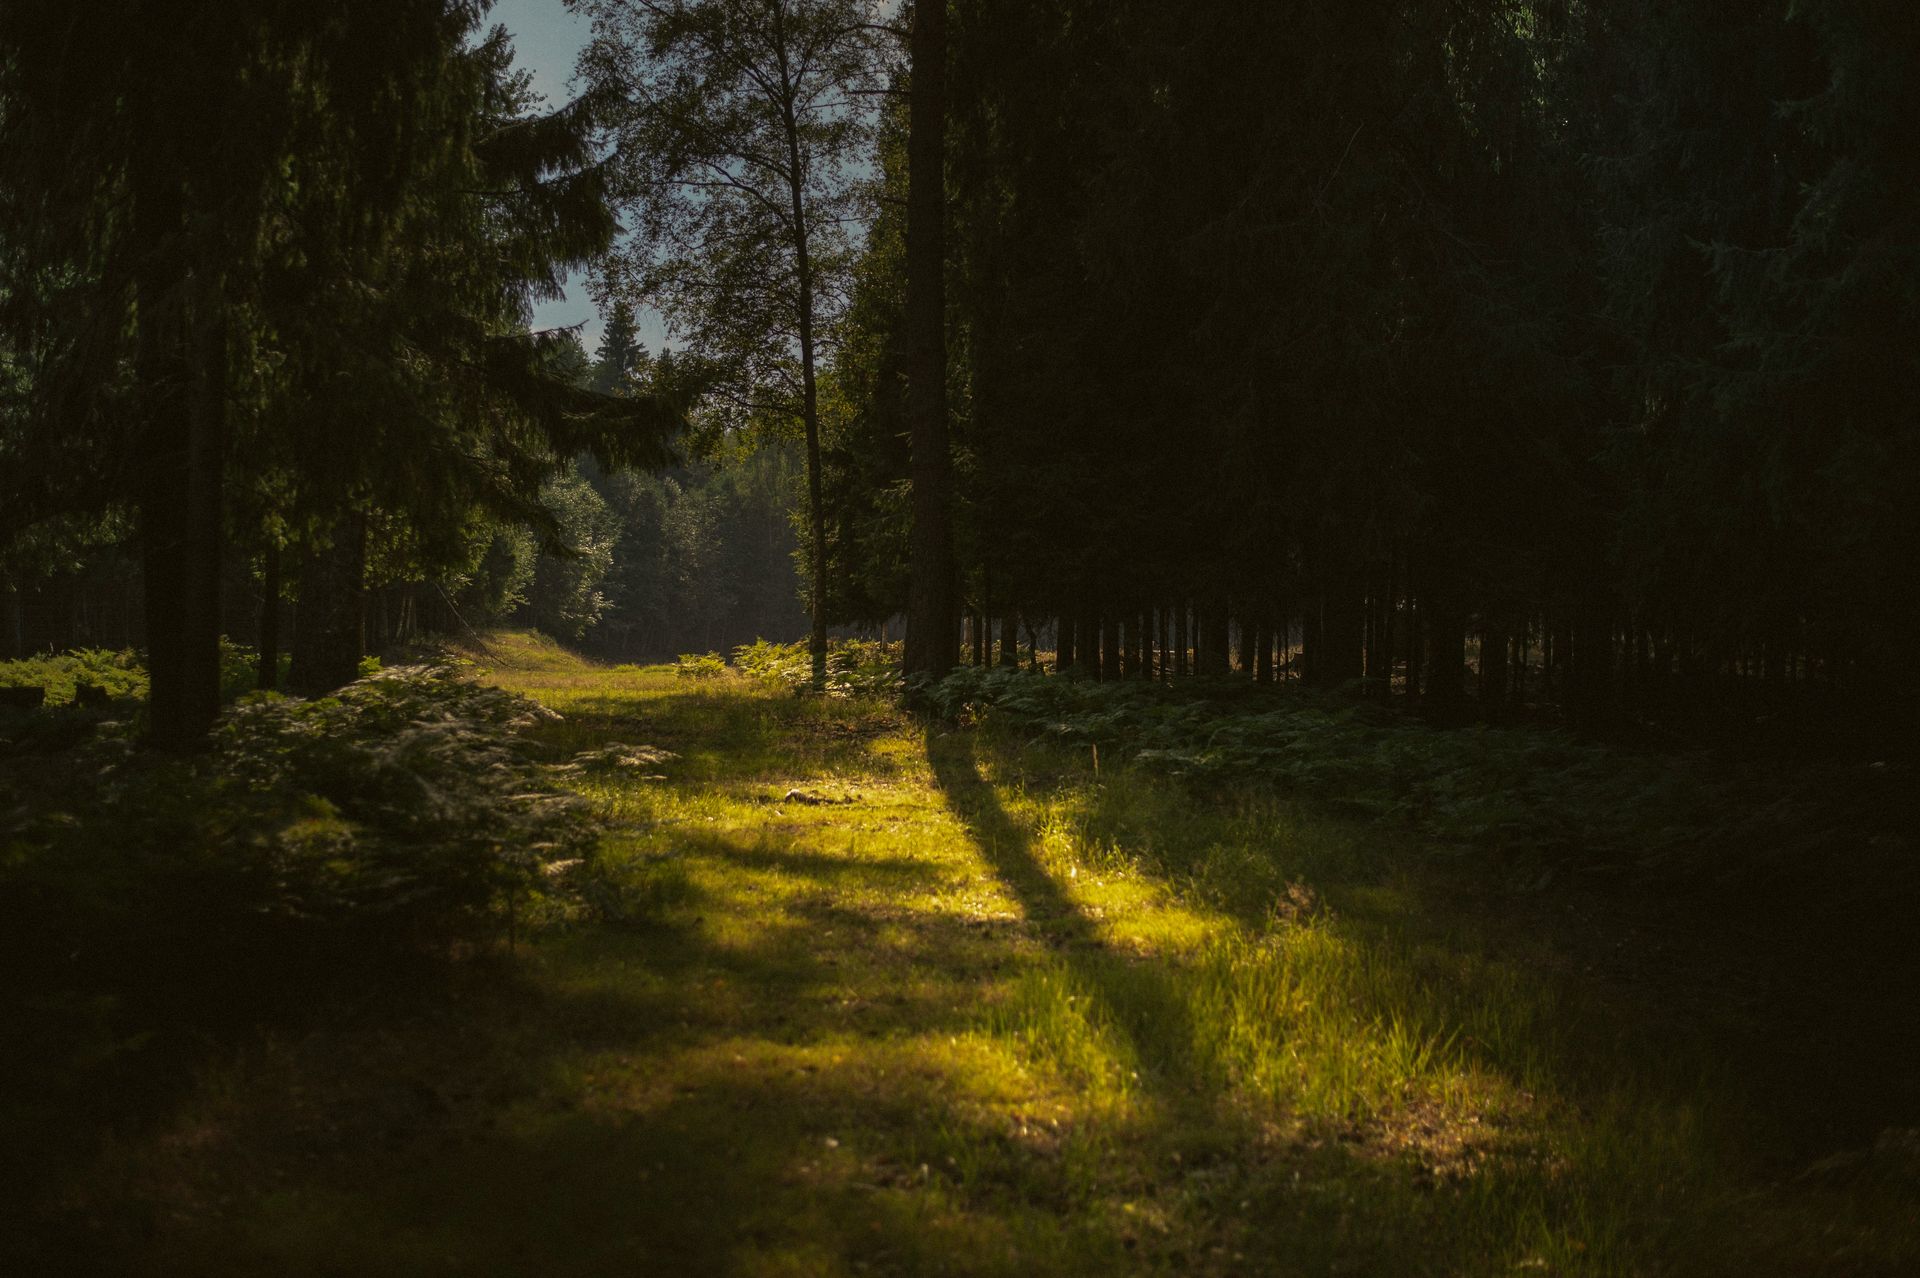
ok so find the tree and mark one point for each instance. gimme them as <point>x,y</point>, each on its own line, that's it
<point>287,250</point>
<point>565,595</point>
<point>739,127</point>
<point>932,616</point>
<point>476,413</point>
<point>149,191</point>
<point>622,359</point>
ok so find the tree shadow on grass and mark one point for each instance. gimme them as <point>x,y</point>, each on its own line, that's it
<point>676,1104</point>
<point>1142,998</point>
<point>1402,1180</point>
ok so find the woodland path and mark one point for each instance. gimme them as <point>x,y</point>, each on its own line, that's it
<point>897,1000</point>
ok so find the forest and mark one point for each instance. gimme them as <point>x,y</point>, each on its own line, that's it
<point>1162,636</point>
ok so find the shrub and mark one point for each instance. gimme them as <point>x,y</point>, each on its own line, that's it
<point>405,812</point>
<point>414,797</point>
<point>120,673</point>
<point>855,667</point>
<point>777,665</point>
<point>694,665</point>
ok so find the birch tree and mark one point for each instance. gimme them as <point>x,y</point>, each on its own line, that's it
<point>740,134</point>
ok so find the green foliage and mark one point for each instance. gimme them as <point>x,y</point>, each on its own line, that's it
<point>408,808</point>
<point>314,848</point>
<point>777,665</point>
<point>565,597</point>
<point>119,673</point>
<point>1548,797</point>
<point>317,843</point>
<point>695,665</point>
<point>703,556</point>
<point>855,667</point>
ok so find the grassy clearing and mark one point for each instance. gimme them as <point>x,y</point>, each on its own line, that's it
<point>876,998</point>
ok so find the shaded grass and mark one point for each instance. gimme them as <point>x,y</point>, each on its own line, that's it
<point>984,1011</point>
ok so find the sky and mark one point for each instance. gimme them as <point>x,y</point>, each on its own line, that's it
<point>546,41</point>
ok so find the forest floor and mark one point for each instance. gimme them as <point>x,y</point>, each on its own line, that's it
<point>896,999</point>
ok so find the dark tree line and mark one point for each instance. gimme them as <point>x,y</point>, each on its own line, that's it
<point>1491,355</point>
<point>1491,352</point>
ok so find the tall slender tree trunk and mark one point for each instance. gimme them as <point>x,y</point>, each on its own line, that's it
<point>930,605</point>
<point>1493,670</point>
<point>12,623</point>
<point>1010,639</point>
<point>1342,636</point>
<point>1063,643</point>
<point>1446,659</point>
<point>269,672</point>
<point>809,399</point>
<point>329,624</point>
<point>1283,623</point>
<point>1590,684</point>
<point>1180,638</point>
<point>1214,657</point>
<point>181,367</point>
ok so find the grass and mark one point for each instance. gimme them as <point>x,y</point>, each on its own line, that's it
<point>874,997</point>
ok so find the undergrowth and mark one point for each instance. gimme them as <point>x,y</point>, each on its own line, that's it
<point>855,667</point>
<point>1544,796</point>
<point>118,674</point>
<point>315,839</point>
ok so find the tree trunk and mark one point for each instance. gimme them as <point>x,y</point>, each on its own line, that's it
<point>1214,657</point>
<point>930,606</point>
<point>1063,643</point>
<point>181,448</point>
<point>1180,638</point>
<point>329,624</point>
<point>12,624</point>
<point>269,672</point>
<point>1493,670</point>
<point>1010,639</point>
<point>1283,623</point>
<point>809,405</point>
<point>1342,639</point>
<point>1590,677</point>
<point>1446,660</point>
<point>1416,645</point>
<point>1110,646</point>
